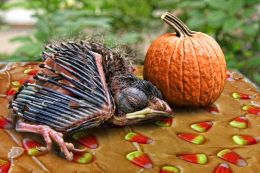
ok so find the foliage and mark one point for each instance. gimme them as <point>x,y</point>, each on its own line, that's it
<point>234,24</point>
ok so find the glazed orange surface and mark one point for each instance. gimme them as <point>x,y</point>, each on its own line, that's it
<point>165,146</point>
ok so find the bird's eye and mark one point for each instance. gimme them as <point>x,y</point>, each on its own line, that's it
<point>131,100</point>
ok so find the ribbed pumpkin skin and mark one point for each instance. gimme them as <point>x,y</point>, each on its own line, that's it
<point>189,71</point>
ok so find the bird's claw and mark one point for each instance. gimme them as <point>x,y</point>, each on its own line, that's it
<point>48,135</point>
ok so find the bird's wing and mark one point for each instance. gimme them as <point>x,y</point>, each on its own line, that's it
<point>70,93</point>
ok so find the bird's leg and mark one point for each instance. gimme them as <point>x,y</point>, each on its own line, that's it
<point>47,134</point>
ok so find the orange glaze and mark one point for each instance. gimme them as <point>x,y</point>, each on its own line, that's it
<point>110,155</point>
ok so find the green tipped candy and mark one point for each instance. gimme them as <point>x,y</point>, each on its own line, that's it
<point>239,122</point>
<point>244,139</point>
<point>83,158</point>
<point>235,95</point>
<point>202,126</point>
<point>195,158</point>
<point>169,169</point>
<point>202,159</point>
<point>139,158</point>
<point>199,139</point>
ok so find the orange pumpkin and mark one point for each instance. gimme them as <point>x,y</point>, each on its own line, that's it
<point>188,67</point>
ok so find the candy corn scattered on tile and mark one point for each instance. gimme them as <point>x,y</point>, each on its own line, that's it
<point>4,166</point>
<point>166,122</point>
<point>5,123</point>
<point>201,159</point>
<point>202,126</point>
<point>86,139</point>
<point>135,137</point>
<point>83,158</point>
<point>242,96</point>
<point>169,169</point>
<point>245,139</point>
<point>232,157</point>
<point>239,122</point>
<point>32,147</point>
<point>192,138</point>
<point>139,158</point>
<point>223,168</point>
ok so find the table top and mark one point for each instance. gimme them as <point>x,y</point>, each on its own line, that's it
<point>167,145</point>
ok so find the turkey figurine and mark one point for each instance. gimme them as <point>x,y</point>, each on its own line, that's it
<point>81,85</point>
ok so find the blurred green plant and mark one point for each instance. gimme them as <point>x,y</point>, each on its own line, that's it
<point>235,24</point>
<point>58,19</point>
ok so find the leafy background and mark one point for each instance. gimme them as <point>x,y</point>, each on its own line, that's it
<point>235,24</point>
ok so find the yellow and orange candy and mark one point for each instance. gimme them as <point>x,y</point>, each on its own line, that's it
<point>232,157</point>
<point>4,166</point>
<point>192,138</point>
<point>201,159</point>
<point>242,96</point>
<point>136,137</point>
<point>251,109</point>
<point>169,169</point>
<point>223,168</point>
<point>240,122</point>
<point>245,139</point>
<point>202,126</point>
<point>140,159</point>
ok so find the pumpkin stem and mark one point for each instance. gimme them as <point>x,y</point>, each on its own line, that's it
<point>180,28</point>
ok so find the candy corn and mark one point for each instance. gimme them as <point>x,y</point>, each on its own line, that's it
<point>192,138</point>
<point>31,147</point>
<point>30,71</point>
<point>12,91</point>
<point>86,139</point>
<point>232,157</point>
<point>4,166</point>
<point>5,123</point>
<point>83,158</point>
<point>252,109</point>
<point>202,126</point>
<point>166,122</point>
<point>239,122</point>
<point>241,96</point>
<point>139,158</point>
<point>16,83</point>
<point>212,109</point>
<point>23,81</point>
<point>135,137</point>
<point>169,169</point>
<point>245,139</point>
<point>201,159</point>
<point>223,168</point>
<point>230,78</point>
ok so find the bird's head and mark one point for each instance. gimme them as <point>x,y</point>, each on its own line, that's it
<point>139,101</point>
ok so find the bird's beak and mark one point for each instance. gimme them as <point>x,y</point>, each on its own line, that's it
<point>157,109</point>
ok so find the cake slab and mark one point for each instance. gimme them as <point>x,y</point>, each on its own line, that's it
<point>168,142</point>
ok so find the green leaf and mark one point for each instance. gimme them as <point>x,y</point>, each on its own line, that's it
<point>196,20</point>
<point>230,24</point>
<point>249,30</point>
<point>253,62</point>
<point>22,39</point>
<point>215,18</point>
<point>249,12</point>
<point>194,4</point>
<point>30,50</point>
<point>234,6</point>
<point>218,4</point>
<point>131,38</point>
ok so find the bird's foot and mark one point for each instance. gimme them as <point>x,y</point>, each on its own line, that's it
<point>49,135</point>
